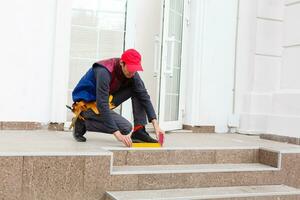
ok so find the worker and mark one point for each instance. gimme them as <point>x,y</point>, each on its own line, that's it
<point>106,85</point>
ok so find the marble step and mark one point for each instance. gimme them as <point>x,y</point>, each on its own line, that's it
<point>193,176</point>
<point>259,192</point>
<point>196,168</point>
<point>165,156</point>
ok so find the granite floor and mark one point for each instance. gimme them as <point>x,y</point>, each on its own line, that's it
<point>61,143</point>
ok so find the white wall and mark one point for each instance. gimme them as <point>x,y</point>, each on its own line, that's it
<point>210,70</point>
<point>268,100</point>
<point>285,117</point>
<point>26,50</point>
<point>264,22</point>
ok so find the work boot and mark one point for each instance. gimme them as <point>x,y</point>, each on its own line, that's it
<point>79,130</point>
<point>141,135</point>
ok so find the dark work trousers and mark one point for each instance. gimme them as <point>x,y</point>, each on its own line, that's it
<point>95,123</point>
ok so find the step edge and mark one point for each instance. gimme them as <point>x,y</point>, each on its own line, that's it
<point>294,191</point>
<point>181,148</point>
<point>57,153</point>
<point>110,195</point>
<point>207,197</point>
<point>184,171</point>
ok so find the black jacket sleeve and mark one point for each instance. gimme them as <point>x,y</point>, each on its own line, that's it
<point>141,93</point>
<point>103,79</point>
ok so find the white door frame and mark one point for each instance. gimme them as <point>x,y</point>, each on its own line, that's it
<point>60,75</point>
<point>173,125</point>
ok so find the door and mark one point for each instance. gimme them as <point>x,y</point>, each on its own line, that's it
<point>97,32</point>
<point>143,32</point>
<point>170,98</point>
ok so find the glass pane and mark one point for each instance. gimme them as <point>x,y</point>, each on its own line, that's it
<point>173,83</point>
<point>112,5</point>
<point>172,108</point>
<point>178,27</point>
<point>100,5</point>
<point>175,107</point>
<point>177,54</point>
<point>169,57</point>
<point>97,32</point>
<point>175,18</point>
<point>85,5</point>
<point>176,81</point>
<point>84,18</point>
<point>111,21</point>
<point>179,5</point>
<point>84,42</point>
<point>79,68</point>
<point>173,4</point>
<point>168,109</point>
<point>169,86</point>
<point>97,29</point>
<point>171,23</point>
<point>110,43</point>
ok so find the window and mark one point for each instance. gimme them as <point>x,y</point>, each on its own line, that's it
<point>97,32</point>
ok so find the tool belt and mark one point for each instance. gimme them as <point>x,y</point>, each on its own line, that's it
<point>79,107</point>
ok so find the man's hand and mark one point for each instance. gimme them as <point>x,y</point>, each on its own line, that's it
<point>157,128</point>
<point>125,139</point>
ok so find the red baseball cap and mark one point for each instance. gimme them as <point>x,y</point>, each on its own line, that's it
<point>132,58</point>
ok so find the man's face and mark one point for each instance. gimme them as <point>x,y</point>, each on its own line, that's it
<point>126,72</point>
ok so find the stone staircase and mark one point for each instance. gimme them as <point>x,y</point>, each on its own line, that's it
<point>200,174</point>
<point>52,166</point>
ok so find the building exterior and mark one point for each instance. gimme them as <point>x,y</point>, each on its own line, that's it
<point>222,64</point>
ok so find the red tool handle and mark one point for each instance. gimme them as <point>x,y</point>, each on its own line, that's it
<point>161,139</point>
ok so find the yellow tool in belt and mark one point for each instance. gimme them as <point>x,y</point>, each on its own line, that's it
<point>81,106</point>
